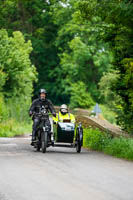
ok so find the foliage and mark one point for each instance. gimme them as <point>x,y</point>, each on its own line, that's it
<point>106,84</point>
<point>118,147</point>
<point>126,92</point>
<point>115,18</point>
<point>34,20</point>
<point>4,113</point>
<point>84,58</point>
<point>73,41</point>
<point>79,96</point>
<point>17,76</point>
<point>94,139</point>
<point>11,128</point>
<point>18,109</point>
<point>18,71</point>
<point>54,29</point>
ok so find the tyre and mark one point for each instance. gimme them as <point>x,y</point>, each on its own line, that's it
<point>38,138</point>
<point>79,139</point>
<point>44,141</point>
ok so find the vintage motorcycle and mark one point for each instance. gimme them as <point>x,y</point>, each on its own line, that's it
<point>43,134</point>
<point>66,134</point>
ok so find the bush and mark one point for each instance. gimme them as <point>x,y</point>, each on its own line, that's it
<point>3,109</point>
<point>118,147</point>
<point>80,98</point>
<point>18,109</point>
<point>12,128</point>
<point>14,119</point>
<point>16,84</point>
<point>94,139</point>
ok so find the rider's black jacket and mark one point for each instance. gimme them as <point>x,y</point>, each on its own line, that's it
<point>38,103</point>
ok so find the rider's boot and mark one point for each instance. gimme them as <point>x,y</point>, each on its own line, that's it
<point>33,138</point>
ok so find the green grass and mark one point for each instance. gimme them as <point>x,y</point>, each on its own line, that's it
<point>13,128</point>
<point>14,119</point>
<point>118,147</point>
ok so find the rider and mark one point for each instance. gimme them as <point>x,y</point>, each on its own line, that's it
<point>64,114</point>
<point>34,109</point>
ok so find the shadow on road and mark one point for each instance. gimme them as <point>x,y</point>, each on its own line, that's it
<point>62,151</point>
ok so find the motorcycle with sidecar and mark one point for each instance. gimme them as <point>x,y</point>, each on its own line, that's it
<point>66,134</point>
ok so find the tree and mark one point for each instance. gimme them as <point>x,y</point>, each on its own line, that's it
<point>76,41</point>
<point>80,97</point>
<point>17,72</point>
<point>83,57</point>
<point>34,20</point>
<point>117,18</point>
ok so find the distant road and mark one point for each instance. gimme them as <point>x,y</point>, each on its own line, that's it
<point>61,174</point>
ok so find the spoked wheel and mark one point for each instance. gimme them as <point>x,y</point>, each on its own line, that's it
<point>38,143</point>
<point>44,141</point>
<point>79,138</point>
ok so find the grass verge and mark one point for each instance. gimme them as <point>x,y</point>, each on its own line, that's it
<point>12,128</point>
<point>118,147</point>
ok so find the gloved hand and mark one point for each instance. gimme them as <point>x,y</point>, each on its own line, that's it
<point>30,113</point>
<point>54,114</point>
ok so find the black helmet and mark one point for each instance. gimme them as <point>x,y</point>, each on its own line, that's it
<point>42,91</point>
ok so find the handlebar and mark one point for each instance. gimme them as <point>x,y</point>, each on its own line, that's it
<point>42,111</point>
<point>42,114</point>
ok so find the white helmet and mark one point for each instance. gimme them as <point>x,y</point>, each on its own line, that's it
<point>64,109</point>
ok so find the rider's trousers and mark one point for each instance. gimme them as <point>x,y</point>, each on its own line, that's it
<point>36,122</point>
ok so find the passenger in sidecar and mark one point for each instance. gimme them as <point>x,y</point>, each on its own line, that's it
<point>65,132</point>
<point>64,115</point>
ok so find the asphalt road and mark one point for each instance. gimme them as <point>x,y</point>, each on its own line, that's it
<point>61,174</point>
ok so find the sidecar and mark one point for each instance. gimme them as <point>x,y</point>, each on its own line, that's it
<point>66,134</point>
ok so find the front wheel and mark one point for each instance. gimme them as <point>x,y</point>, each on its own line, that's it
<point>38,143</point>
<point>44,141</point>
